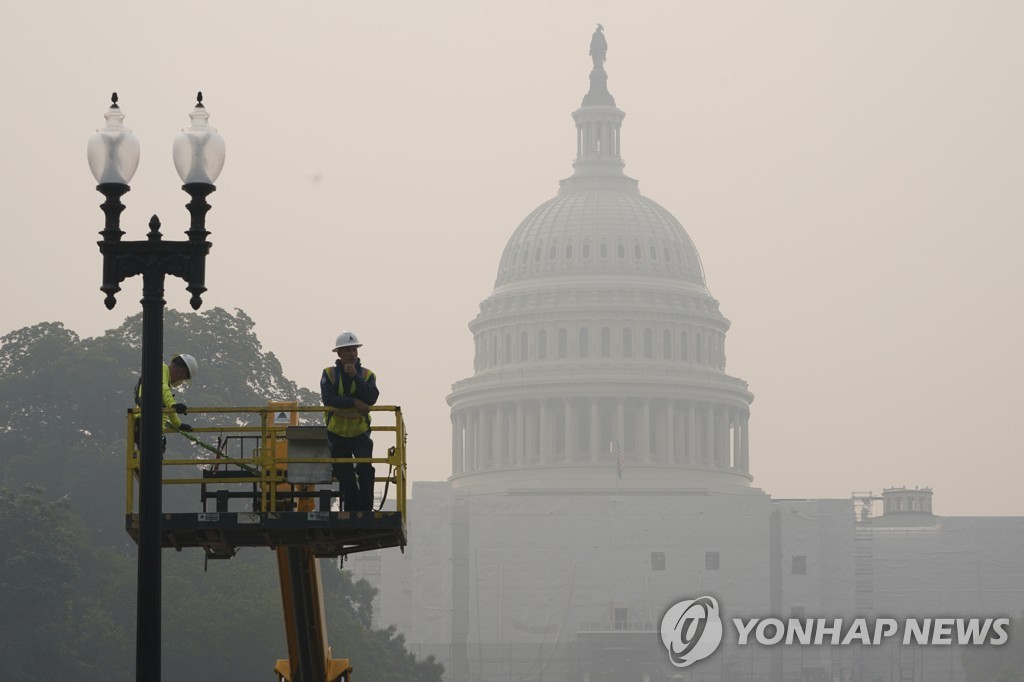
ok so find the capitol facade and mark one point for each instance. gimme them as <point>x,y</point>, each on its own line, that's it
<point>601,473</point>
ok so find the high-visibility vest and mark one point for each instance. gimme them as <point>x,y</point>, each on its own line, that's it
<point>168,398</point>
<point>348,422</point>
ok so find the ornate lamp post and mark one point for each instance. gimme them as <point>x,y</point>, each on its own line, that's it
<point>113,157</point>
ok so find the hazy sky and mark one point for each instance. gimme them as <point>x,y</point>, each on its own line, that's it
<point>850,173</point>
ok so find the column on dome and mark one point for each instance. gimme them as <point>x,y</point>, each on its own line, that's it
<point>716,435</point>
<point>722,436</point>
<point>480,442</point>
<point>516,457</point>
<point>644,437</point>
<point>570,432</point>
<point>670,432</point>
<point>529,432</point>
<point>692,455</point>
<point>509,420</point>
<point>745,427</point>
<point>500,438</point>
<point>544,448</point>
<point>656,432</point>
<point>737,438</point>
<point>510,433</point>
<point>486,459</point>
<point>726,438</point>
<point>595,432</point>
<point>481,438</point>
<point>470,441</point>
<point>620,423</point>
<point>708,444</point>
<point>457,439</point>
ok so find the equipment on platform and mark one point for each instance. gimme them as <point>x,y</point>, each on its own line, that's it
<point>255,491</point>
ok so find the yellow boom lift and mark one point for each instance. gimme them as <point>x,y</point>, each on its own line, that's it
<point>268,481</point>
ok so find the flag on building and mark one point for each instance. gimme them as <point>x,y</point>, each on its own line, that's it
<point>620,459</point>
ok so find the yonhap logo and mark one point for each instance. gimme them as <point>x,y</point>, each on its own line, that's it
<point>691,630</point>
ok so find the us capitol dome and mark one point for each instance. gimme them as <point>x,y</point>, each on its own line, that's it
<point>600,355</point>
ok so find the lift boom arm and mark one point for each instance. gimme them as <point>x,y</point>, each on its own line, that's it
<point>309,656</point>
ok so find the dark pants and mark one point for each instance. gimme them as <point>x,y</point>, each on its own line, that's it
<point>356,479</point>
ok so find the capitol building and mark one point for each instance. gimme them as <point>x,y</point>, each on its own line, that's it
<point>601,473</point>
<point>600,330</point>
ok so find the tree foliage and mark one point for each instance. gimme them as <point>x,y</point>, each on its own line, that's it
<point>373,654</point>
<point>53,588</point>
<point>67,566</point>
<point>1003,663</point>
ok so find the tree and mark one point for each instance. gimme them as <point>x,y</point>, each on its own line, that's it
<point>63,400</point>
<point>45,597</point>
<point>374,654</point>
<point>67,566</point>
<point>1003,663</point>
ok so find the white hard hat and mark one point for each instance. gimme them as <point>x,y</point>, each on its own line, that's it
<point>190,363</point>
<point>346,340</point>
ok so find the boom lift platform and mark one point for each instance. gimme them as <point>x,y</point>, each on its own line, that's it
<point>267,482</point>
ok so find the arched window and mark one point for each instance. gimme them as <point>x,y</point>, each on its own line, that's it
<point>604,250</point>
<point>648,344</point>
<point>563,344</point>
<point>584,342</point>
<point>637,253</point>
<point>606,342</point>
<point>622,251</point>
<point>666,345</point>
<point>494,350</point>
<point>586,250</point>
<point>627,342</point>
<point>684,347</point>
<point>508,347</point>
<point>536,255</point>
<point>552,252</point>
<point>568,251</point>
<point>654,252</point>
<point>542,344</point>
<point>524,346</point>
<point>700,348</point>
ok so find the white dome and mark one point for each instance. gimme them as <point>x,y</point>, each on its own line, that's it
<point>600,231</point>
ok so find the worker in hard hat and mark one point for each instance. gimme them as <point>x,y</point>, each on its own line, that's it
<point>350,390</point>
<point>181,369</point>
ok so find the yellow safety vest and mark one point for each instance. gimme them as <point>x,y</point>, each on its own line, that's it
<point>349,422</point>
<point>168,397</point>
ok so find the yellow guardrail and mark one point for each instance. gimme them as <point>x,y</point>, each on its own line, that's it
<point>265,460</point>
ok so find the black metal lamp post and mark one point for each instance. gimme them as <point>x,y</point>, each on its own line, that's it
<point>113,157</point>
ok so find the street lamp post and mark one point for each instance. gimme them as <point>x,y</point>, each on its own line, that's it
<point>113,154</point>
